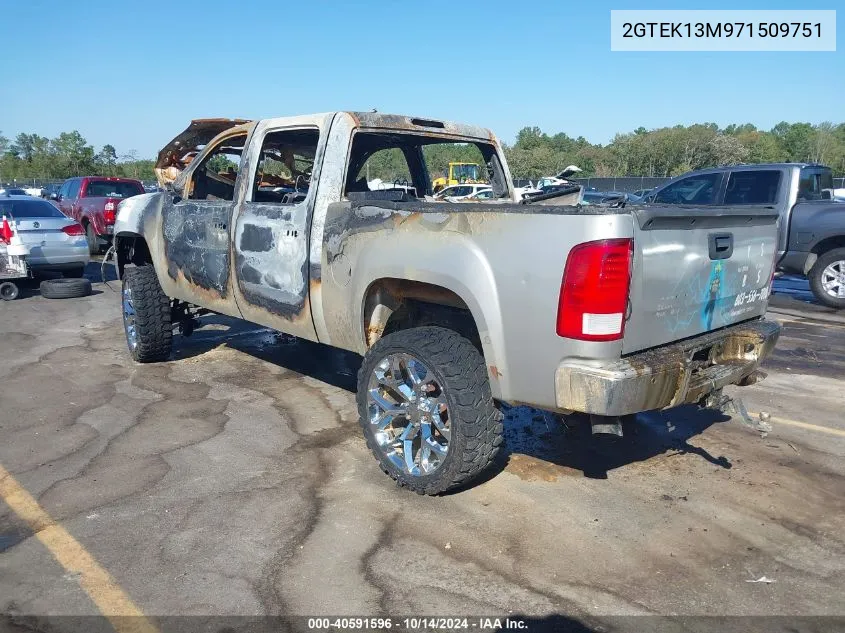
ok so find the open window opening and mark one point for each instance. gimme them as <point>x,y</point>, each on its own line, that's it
<point>285,166</point>
<point>214,178</point>
<point>418,166</point>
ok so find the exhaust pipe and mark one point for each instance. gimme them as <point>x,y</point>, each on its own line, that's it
<point>606,425</point>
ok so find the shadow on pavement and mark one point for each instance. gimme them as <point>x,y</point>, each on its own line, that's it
<point>565,441</point>
<point>568,441</point>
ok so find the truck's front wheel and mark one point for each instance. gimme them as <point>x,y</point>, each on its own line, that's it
<point>827,278</point>
<point>426,409</point>
<point>146,315</point>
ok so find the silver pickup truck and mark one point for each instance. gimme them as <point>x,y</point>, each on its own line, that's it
<point>454,307</point>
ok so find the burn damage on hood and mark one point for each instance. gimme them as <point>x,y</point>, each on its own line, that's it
<point>178,153</point>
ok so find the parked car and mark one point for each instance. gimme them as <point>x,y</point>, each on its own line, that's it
<point>599,197</point>
<point>14,191</point>
<point>482,195</point>
<point>812,227</point>
<point>526,190</point>
<point>56,243</point>
<point>51,191</point>
<point>454,308</point>
<point>92,201</point>
<point>458,192</point>
<point>642,193</point>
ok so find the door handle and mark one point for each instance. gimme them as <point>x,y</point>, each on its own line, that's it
<point>721,245</point>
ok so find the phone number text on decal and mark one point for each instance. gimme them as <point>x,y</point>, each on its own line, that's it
<point>709,30</point>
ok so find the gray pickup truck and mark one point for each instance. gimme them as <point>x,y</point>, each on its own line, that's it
<point>811,241</point>
<point>454,307</point>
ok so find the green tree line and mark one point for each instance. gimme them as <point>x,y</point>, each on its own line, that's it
<point>671,151</point>
<point>665,151</point>
<point>31,156</point>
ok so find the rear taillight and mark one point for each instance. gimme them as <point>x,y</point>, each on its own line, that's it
<point>109,211</point>
<point>594,291</point>
<point>73,229</point>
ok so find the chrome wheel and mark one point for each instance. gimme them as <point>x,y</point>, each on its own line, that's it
<point>833,279</point>
<point>408,412</point>
<point>129,319</point>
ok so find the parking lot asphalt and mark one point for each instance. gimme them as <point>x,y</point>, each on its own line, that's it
<point>233,480</point>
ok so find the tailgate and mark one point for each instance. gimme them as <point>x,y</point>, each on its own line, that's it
<point>697,269</point>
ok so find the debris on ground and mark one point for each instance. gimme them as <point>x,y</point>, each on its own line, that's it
<point>763,579</point>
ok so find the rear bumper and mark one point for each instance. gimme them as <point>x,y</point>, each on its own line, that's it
<point>669,376</point>
<point>64,259</point>
<point>39,268</point>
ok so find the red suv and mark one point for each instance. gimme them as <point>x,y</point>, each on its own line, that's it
<point>92,201</point>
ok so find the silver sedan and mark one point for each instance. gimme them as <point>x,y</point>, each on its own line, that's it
<point>56,242</point>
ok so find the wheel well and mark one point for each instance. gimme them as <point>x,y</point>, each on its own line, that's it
<point>391,305</point>
<point>131,250</point>
<point>829,243</point>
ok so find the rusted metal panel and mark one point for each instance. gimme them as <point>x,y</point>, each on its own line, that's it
<point>196,244</point>
<point>181,152</point>
<point>432,127</point>
<point>271,257</point>
<point>270,241</point>
<point>668,376</point>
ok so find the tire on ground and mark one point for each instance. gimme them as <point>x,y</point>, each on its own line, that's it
<point>476,422</point>
<point>152,315</point>
<point>815,277</point>
<point>8,291</point>
<point>65,288</point>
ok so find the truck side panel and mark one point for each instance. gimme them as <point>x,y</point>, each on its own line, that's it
<point>478,255</point>
<point>813,222</point>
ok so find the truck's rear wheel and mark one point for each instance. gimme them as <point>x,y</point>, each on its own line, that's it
<point>827,278</point>
<point>426,409</point>
<point>92,239</point>
<point>146,315</point>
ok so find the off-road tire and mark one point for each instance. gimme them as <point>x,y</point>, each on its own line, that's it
<point>65,288</point>
<point>476,422</point>
<point>92,239</point>
<point>152,315</point>
<point>815,278</point>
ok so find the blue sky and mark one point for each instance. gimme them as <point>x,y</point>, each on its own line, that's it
<point>133,73</point>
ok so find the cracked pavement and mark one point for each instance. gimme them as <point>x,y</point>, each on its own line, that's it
<point>233,480</point>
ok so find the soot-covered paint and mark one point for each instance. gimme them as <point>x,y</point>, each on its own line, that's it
<point>271,257</point>
<point>196,243</point>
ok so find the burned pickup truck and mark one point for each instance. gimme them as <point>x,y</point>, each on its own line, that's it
<point>608,311</point>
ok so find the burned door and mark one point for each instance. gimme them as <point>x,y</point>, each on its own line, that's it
<point>270,240</point>
<point>195,226</point>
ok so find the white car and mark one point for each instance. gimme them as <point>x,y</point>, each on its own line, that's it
<point>55,242</point>
<point>529,189</point>
<point>459,192</point>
